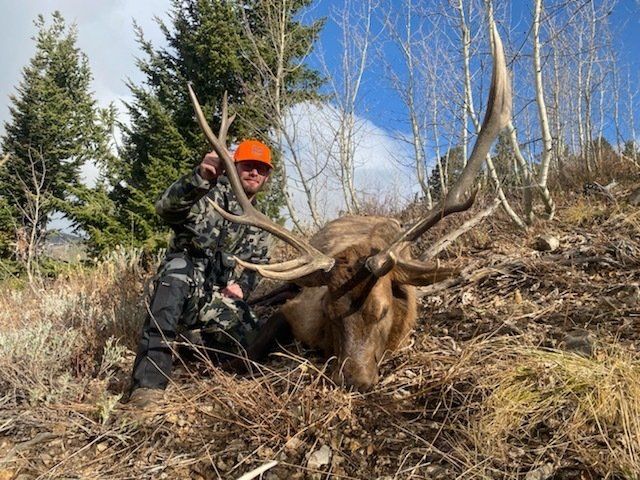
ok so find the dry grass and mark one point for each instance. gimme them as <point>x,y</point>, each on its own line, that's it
<point>483,389</point>
<point>538,409</point>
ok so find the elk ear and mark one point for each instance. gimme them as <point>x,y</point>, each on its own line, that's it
<point>419,274</point>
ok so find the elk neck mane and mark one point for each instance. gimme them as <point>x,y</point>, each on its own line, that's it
<point>371,232</point>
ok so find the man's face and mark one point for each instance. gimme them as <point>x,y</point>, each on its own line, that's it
<point>253,175</point>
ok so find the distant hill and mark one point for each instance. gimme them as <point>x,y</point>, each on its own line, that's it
<point>65,246</point>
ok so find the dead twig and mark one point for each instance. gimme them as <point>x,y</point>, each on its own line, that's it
<point>258,471</point>
<point>451,237</point>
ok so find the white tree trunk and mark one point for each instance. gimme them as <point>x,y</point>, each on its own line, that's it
<point>547,142</point>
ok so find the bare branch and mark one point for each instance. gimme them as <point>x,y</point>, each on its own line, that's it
<point>496,118</point>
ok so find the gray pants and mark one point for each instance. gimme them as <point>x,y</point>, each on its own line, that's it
<point>182,306</point>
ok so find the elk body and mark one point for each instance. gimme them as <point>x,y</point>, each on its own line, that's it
<point>358,279</point>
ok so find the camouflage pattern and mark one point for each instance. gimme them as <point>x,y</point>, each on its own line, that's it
<point>225,325</point>
<point>200,231</point>
<point>205,239</point>
<point>222,322</point>
<point>187,301</point>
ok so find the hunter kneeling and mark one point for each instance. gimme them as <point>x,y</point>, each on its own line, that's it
<point>197,288</point>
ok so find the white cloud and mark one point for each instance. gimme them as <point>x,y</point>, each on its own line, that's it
<point>377,158</point>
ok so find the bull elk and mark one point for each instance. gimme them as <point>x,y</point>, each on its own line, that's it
<point>358,296</point>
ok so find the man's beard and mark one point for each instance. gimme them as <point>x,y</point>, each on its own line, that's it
<point>251,188</point>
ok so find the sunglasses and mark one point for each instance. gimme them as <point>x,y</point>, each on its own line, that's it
<point>259,167</point>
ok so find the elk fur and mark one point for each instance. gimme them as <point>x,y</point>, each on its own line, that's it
<point>356,316</point>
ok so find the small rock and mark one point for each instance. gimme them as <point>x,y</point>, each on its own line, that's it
<point>634,198</point>
<point>319,458</point>
<point>293,443</point>
<point>541,473</point>
<point>102,446</point>
<point>578,341</point>
<point>546,243</point>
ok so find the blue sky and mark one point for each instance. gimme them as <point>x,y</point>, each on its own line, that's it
<point>383,105</point>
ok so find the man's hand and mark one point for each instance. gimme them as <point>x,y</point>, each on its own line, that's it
<point>211,166</point>
<point>232,290</point>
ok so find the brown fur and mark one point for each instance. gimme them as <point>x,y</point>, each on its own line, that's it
<point>355,317</point>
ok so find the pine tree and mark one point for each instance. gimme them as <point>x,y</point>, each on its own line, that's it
<point>206,46</point>
<point>92,209</point>
<point>52,132</point>
<point>452,164</point>
<point>504,161</point>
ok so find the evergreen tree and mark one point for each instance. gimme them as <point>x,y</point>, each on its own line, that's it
<point>505,161</point>
<point>631,150</point>
<point>52,132</point>
<point>92,209</point>
<point>206,46</point>
<point>452,164</point>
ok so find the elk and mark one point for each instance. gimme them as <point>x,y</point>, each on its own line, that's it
<point>357,278</point>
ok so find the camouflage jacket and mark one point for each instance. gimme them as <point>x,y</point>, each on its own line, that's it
<point>200,231</point>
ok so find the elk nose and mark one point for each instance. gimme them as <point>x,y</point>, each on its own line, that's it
<point>361,380</point>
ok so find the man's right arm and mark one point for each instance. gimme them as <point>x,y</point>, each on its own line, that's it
<point>175,203</point>
<point>174,206</point>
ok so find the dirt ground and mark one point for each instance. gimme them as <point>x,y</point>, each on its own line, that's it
<point>524,366</point>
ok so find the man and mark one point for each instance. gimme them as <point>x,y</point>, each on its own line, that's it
<point>197,288</point>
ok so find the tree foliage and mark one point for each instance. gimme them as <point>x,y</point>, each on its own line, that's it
<point>205,46</point>
<point>452,164</point>
<point>54,129</point>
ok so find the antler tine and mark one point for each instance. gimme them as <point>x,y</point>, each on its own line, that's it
<point>496,118</point>
<point>220,149</point>
<point>226,121</point>
<point>312,260</point>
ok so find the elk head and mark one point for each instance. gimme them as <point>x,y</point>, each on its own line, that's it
<point>359,298</point>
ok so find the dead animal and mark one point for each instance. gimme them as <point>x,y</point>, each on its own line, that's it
<point>357,279</point>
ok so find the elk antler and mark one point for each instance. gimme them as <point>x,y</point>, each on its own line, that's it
<point>311,261</point>
<point>496,118</point>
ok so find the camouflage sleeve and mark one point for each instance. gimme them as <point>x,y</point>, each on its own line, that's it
<point>174,206</point>
<point>255,249</point>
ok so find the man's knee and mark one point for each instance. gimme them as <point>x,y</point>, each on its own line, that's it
<point>227,323</point>
<point>178,268</point>
<point>173,287</point>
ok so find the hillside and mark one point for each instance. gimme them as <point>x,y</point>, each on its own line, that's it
<point>523,366</point>
<point>65,246</point>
